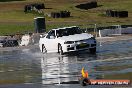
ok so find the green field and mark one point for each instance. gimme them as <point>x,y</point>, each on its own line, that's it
<point>13,19</point>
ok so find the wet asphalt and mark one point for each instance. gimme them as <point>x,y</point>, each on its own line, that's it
<point>29,68</point>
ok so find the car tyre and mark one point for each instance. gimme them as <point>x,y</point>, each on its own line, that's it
<point>43,49</point>
<point>92,50</point>
<point>60,51</point>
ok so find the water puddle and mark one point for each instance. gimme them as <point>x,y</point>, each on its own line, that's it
<point>30,66</point>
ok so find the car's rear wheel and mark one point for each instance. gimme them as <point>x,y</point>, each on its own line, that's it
<point>43,49</point>
<point>92,50</point>
<point>60,51</point>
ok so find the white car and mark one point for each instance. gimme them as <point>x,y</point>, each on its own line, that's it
<point>67,39</point>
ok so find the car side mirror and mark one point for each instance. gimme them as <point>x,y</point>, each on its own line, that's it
<point>41,36</point>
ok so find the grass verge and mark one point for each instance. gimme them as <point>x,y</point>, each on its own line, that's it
<point>11,29</point>
<point>14,12</point>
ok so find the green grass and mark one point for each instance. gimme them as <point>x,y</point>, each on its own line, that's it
<point>11,29</point>
<point>17,16</point>
<point>6,29</point>
<point>13,12</point>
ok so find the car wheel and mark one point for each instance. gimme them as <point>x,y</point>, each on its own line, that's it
<point>43,49</point>
<point>60,51</point>
<point>92,50</point>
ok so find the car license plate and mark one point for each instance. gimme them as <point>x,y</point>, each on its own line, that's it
<point>82,45</point>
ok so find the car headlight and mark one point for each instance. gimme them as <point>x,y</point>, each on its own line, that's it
<point>69,42</point>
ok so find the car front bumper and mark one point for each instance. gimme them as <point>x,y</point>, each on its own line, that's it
<point>78,47</point>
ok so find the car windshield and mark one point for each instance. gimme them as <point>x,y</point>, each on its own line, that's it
<point>68,31</point>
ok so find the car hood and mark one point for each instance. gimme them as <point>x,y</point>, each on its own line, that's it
<point>76,37</point>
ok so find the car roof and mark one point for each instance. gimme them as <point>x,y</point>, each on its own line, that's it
<point>64,28</point>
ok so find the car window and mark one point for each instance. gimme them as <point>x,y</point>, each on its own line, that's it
<point>68,31</point>
<point>51,33</point>
<point>61,32</point>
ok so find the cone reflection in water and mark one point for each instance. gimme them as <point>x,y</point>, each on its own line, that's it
<point>84,73</point>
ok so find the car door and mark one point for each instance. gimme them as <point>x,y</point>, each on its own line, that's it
<point>50,41</point>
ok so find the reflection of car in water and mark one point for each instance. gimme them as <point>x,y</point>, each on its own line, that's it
<point>67,39</point>
<point>59,70</point>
